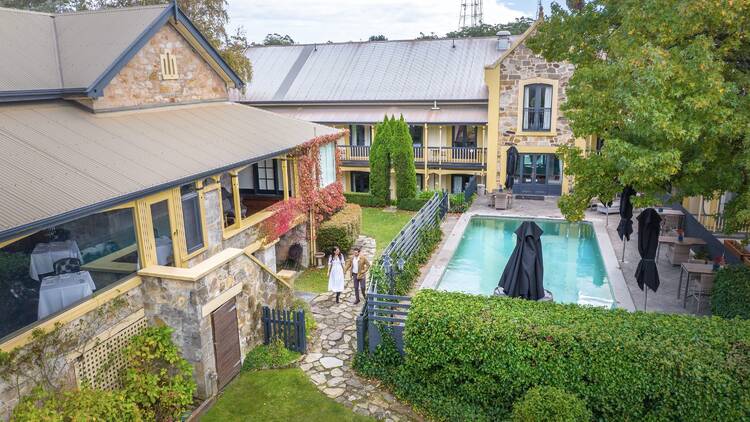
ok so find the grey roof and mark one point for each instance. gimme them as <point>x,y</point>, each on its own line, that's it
<point>365,114</point>
<point>413,70</point>
<point>59,159</point>
<point>68,50</point>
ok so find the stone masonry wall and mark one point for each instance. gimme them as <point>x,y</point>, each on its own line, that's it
<point>139,83</point>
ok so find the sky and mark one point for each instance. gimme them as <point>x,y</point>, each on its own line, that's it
<point>310,21</point>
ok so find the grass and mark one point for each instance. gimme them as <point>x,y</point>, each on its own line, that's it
<point>381,225</point>
<point>276,395</point>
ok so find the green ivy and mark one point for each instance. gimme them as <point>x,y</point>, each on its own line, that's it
<point>542,404</point>
<point>731,293</point>
<point>472,357</point>
<point>156,376</point>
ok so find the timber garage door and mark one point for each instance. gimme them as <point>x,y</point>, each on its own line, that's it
<point>226,342</point>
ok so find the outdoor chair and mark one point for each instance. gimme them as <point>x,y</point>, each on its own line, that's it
<point>701,287</point>
<point>67,265</point>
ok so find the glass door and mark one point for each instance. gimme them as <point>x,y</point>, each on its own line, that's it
<point>162,232</point>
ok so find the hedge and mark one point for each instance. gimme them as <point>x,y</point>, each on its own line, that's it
<point>76,405</point>
<point>472,357</point>
<point>380,161</point>
<point>402,159</point>
<point>731,294</point>
<point>542,404</point>
<point>411,204</point>
<point>362,199</point>
<point>341,230</point>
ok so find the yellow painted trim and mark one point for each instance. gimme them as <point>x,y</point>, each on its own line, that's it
<point>107,262</point>
<point>107,294</point>
<point>221,299</point>
<point>553,122</point>
<point>174,210</point>
<point>268,270</point>
<point>548,149</point>
<point>285,178</point>
<point>194,273</point>
<point>492,80</point>
<point>204,228</point>
<point>252,220</point>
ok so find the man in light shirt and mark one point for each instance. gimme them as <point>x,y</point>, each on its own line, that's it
<point>358,265</point>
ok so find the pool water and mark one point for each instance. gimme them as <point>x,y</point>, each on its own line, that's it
<point>573,267</point>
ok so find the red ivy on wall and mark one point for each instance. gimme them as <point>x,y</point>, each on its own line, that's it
<point>323,201</point>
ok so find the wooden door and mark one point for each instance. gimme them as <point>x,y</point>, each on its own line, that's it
<point>226,342</point>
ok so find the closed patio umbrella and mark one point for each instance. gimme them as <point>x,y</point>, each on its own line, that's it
<point>647,275</point>
<point>625,228</point>
<point>510,168</point>
<point>523,275</point>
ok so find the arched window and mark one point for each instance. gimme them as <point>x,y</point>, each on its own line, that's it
<point>537,107</point>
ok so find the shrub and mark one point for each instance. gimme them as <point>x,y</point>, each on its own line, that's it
<point>402,159</point>
<point>156,377</point>
<point>731,294</point>
<point>341,230</point>
<point>362,199</point>
<point>380,162</point>
<point>411,204</point>
<point>385,363</point>
<point>476,356</point>
<point>457,203</point>
<point>79,405</point>
<point>542,404</point>
<point>272,356</point>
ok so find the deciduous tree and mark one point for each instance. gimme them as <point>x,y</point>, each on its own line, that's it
<point>665,84</point>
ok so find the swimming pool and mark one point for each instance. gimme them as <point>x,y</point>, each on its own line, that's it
<point>573,267</point>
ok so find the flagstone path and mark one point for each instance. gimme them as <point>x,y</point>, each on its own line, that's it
<point>330,355</point>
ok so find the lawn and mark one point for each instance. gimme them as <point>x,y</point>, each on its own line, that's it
<point>381,225</point>
<point>276,395</point>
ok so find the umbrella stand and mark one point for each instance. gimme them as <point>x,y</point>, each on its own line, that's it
<point>645,298</point>
<point>607,220</point>
<point>623,250</point>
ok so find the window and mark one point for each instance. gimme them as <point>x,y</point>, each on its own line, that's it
<point>266,171</point>
<point>420,182</point>
<point>458,182</point>
<point>465,136</point>
<point>327,164</point>
<point>168,66</point>
<point>54,269</point>
<point>417,135</point>
<point>360,181</point>
<point>162,232</point>
<point>537,107</point>
<point>191,216</point>
<point>359,135</point>
<point>555,177</point>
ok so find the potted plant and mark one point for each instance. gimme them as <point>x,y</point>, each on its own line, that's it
<point>680,235</point>
<point>699,256</point>
<point>718,262</point>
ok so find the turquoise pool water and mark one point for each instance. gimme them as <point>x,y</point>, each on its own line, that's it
<point>573,267</point>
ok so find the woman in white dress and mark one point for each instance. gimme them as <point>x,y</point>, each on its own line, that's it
<point>336,272</point>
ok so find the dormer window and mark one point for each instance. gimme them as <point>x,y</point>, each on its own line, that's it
<point>168,66</point>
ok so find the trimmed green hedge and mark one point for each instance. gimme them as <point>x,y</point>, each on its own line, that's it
<point>472,357</point>
<point>731,294</point>
<point>341,230</point>
<point>364,199</point>
<point>542,404</point>
<point>411,204</point>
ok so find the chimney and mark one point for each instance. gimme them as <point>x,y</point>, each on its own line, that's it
<point>503,40</point>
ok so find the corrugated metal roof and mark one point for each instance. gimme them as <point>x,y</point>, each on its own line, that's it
<point>69,50</point>
<point>58,158</point>
<point>446,114</point>
<point>414,70</point>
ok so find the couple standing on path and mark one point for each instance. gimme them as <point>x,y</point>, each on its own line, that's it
<point>338,266</point>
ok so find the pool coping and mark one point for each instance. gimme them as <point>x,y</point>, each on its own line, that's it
<point>619,288</point>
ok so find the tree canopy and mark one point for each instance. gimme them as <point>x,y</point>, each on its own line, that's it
<point>486,30</point>
<point>392,148</point>
<point>379,37</point>
<point>209,16</point>
<point>278,39</point>
<point>665,84</point>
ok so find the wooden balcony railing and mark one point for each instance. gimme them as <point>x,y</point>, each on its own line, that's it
<point>434,155</point>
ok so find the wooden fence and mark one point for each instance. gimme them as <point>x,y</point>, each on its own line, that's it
<point>381,306</point>
<point>287,325</point>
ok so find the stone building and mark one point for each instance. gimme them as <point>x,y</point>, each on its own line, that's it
<point>466,101</point>
<point>128,174</point>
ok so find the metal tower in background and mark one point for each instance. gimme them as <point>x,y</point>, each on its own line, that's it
<point>471,9</point>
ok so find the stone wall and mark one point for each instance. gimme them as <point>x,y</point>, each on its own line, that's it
<point>299,235</point>
<point>133,300</point>
<point>140,83</point>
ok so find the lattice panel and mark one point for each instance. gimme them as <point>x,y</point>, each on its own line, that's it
<point>100,366</point>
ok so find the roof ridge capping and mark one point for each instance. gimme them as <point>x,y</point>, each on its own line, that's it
<point>321,44</point>
<point>25,12</point>
<point>113,9</point>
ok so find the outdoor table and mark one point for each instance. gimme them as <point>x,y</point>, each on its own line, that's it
<point>680,250</point>
<point>59,291</point>
<point>44,256</point>
<point>691,268</point>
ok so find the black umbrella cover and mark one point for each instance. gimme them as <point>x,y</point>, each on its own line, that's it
<point>524,274</point>
<point>625,228</point>
<point>648,240</point>
<point>510,169</point>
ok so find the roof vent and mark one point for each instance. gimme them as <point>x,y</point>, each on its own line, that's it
<point>168,66</point>
<point>503,40</point>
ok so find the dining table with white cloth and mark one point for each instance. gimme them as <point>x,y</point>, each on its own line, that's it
<point>60,291</point>
<point>44,256</point>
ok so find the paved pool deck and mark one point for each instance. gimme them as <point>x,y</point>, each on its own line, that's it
<point>621,274</point>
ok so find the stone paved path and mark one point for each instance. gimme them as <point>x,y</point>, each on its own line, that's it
<point>329,359</point>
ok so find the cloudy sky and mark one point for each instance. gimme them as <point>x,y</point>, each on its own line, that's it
<point>308,21</point>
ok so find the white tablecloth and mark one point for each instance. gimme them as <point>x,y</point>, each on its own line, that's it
<point>163,250</point>
<point>60,291</point>
<point>45,255</point>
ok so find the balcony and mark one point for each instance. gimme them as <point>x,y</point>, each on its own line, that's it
<point>437,157</point>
